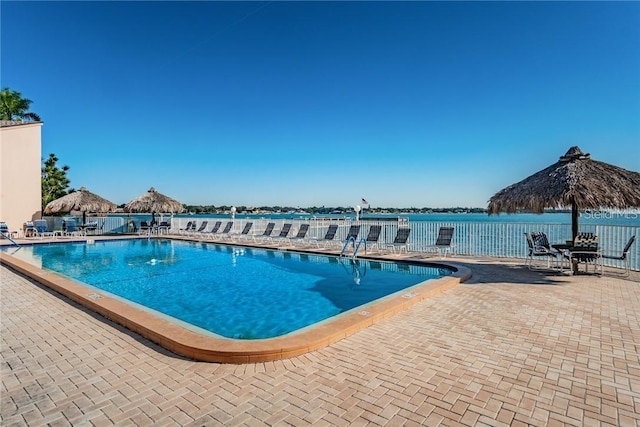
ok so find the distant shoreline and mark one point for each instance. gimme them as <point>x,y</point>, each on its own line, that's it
<point>243,210</point>
<point>631,219</point>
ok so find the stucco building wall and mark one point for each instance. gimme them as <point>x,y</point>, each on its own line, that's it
<point>20,172</point>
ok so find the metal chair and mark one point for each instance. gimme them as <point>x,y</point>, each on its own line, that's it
<point>213,231</point>
<point>586,250</point>
<point>266,233</point>
<point>164,227</point>
<point>300,236</point>
<point>623,256</point>
<point>401,241</point>
<point>242,234</point>
<point>539,247</point>
<point>328,237</point>
<point>372,237</point>
<point>443,242</point>
<point>190,228</point>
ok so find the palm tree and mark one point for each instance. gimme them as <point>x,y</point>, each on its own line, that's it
<point>14,107</point>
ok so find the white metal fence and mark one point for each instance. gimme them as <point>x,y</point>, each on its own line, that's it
<point>492,239</point>
<point>104,224</point>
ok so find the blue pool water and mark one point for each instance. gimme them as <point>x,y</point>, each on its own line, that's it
<point>241,293</point>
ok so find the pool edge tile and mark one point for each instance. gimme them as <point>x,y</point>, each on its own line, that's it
<point>198,347</point>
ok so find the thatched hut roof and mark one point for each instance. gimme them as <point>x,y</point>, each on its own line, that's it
<point>79,201</point>
<point>153,202</point>
<point>574,180</point>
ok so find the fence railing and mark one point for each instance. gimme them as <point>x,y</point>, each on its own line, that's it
<point>490,239</point>
<point>104,224</point>
<point>494,239</point>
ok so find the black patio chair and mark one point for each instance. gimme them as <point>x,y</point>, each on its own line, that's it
<point>539,247</point>
<point>623,255</point>
<point>244,233</point>
<point>284,232</point>
<point>401,241</point>
<point>586,250</point>
<point>443,243</point>
<point>300,236</point>
<point>328,237</point>
<point>214,230</point>
<point>266,233</point>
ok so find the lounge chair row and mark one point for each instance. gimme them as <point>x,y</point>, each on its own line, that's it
<point>39,228</point>
<point>284,237</point>
<point>400,242</point>
<point>218,232</point>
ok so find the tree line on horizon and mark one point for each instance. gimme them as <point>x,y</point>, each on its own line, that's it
<point>324,210</point>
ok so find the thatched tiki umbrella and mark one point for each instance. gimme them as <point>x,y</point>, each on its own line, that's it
<point>79,201</point>
<point>575,180</point>
<point>153,202</point>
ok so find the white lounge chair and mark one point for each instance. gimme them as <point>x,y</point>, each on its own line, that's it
<point>243,233</point>
<point>284,232</point>
<point>443,243</point>
<point>214,230</point>
<point>266,233</point>
<point>300,235</point>
<point>401,241</point>
<point>224,233</point>
<point>328,237</point>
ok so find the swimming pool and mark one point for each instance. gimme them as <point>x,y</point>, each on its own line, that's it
<point>238,293</point>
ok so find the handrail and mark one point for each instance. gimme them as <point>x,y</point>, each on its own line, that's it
<point>356,247</point>
<point>355,251</point>
<point>350,239</point>
<point>9,239</point>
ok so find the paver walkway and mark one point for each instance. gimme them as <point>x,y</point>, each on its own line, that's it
<point>509,347</point>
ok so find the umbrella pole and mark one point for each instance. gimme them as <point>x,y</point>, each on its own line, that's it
<point>574,230</point>
<point>574,220</point>
<point>84,217</point>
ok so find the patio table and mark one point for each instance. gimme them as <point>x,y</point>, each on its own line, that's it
<point>565,250</point>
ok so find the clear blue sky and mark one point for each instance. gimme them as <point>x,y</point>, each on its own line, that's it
<point>436,104</point>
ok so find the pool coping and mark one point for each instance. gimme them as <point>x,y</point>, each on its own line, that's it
<point>193,345</point>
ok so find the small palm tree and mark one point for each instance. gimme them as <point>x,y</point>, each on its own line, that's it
<point>14,107</point>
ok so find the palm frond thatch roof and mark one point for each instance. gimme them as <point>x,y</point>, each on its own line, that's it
<point>79,201</point>
<point>574,180</point>
<point>153,202</point>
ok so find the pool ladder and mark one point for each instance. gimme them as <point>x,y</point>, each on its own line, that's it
<point>8,237</point>
<point>356,246</point>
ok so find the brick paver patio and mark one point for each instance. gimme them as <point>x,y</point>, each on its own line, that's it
<point>509,347</point>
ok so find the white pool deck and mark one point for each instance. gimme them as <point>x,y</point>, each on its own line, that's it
<point>508,347</point>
